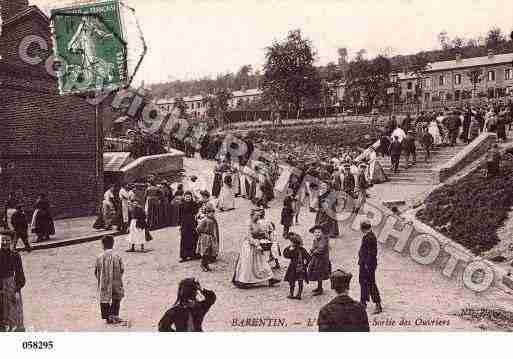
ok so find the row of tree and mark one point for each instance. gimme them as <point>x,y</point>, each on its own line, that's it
<point>291,81</point>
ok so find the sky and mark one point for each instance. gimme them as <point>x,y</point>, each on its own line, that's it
<point>196,38</point>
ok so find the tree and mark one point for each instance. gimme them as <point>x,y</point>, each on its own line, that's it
<point>368,79</point>
<point>458,43</point>
<point>494,38</point>
<point>475,77</point>
<point>217,104</point>
<point>419,63</point>
<point>289,74</point>
<point>181,106</point>
<point>342,55</point>
<point>444,40</point>
<point>243,76</point>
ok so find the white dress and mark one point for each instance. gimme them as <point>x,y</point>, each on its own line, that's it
<point>226,197</point>
<point>435,132</point>
<point>125,197</point>
<point>136,236</point>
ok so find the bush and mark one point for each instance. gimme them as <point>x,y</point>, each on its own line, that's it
<point>315,142</point>
<point>471,210</point>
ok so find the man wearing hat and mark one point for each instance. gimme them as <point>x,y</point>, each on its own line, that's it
<point>342,314</point>
<point>367,260</point>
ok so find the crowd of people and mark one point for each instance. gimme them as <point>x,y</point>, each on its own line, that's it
<point>15,219</point>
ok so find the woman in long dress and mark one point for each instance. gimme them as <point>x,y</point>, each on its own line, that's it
<point>226,199</point>
<point>42,221</point>
<point>138,227</point>
<point>252,267</point>
<point>208,237</point>
<point>125,197</point>
<point>12,280</point>
<point>218,180</point>
<point>152,208</point>
<point>188,224</point>
<point>435,132</point>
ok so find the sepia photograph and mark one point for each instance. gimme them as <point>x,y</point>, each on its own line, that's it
<point>255,167</point>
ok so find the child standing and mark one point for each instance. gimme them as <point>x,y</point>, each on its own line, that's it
<point>299,259</point>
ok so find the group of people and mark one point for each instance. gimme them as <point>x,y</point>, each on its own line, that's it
<point>186,314</point>
<point>433,129</point>
<point>16,220</point>
<point>252,267</point>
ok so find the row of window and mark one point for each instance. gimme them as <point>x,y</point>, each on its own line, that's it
<point>466,94</point>
<point>458,78</point>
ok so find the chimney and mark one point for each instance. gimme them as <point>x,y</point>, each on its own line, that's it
<point>490,54</point>
<point>11,8</point>
<point>458,58</point>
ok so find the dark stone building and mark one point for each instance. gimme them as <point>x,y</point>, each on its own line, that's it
<point>48,142</point>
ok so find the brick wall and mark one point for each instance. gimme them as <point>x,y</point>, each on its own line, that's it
<point>47,141</point>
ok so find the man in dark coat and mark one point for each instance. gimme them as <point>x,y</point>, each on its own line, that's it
<point>410,150</point>
<point>367,260</point>
<point>342,314</point>
<point>395,153</point>
<point>453,125</point>
<point>466,125</point>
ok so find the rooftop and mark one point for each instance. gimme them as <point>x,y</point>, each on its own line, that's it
<point>470,62</point>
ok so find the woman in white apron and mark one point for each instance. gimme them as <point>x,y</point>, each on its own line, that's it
<point>435,132</point>
<point>138,227</point>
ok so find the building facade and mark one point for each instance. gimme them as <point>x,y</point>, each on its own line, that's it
<point>459,81</point>
<point>48,142</point>
<point>453,80</point>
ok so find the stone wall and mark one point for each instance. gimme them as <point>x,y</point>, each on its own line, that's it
<point>158,164</point>
<point>469,154</point>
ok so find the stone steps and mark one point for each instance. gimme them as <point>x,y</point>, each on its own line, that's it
<point>422,173</point>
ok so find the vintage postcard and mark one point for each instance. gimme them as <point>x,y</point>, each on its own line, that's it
<point>244,166</point>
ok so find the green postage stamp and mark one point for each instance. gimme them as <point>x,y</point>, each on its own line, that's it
<point>90,47</point>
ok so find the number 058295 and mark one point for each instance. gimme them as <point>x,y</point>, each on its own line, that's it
<point>38,345</point>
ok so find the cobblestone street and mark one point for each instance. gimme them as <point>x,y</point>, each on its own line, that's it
<point>65,276</point>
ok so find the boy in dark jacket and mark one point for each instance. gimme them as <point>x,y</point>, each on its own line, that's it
<point>20,225</point>
<point>296,271</point>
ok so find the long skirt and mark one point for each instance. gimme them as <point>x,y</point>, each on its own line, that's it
<point>236,184</point>
<point>244,190</point>
<point>216,187</point>
<point>11,306</point>
<point>207,245</point>
<point>153,211</point>
<point>251,266</point>
<point>188,238</point>
<point>226,199</point>
<point>136,236</point>
<point>42,223</point>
